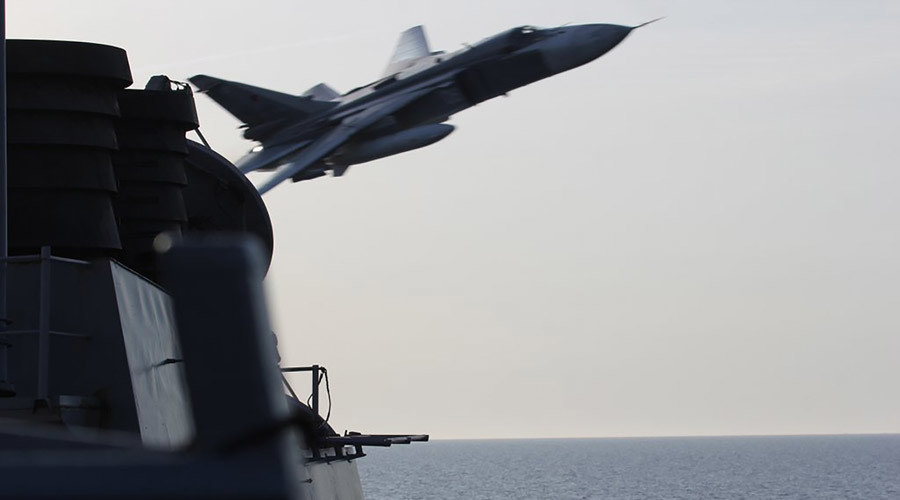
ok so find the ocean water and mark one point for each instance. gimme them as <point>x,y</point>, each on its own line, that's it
<point>808,467</point>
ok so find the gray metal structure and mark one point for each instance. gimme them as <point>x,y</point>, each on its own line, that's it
<point>120,347</point>
<point>306,136</point>
<point>136,356</point>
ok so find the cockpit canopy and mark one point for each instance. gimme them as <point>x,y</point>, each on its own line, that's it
<point>523,36</point>
<point>515,38</point>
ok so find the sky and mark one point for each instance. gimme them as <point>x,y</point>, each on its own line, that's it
<point>695,234</point>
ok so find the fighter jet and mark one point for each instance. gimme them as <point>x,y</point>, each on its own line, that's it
<point>304,137</point>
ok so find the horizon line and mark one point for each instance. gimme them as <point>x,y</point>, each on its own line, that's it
<point>671,436</point>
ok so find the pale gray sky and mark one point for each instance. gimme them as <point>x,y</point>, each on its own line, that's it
<point>695,234</point>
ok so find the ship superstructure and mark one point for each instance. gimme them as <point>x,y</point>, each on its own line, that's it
<point>136,356</point>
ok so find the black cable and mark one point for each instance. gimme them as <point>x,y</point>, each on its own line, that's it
<point>328,392</point>
<point>318,382</point>
<point>202,139</point>
<point>322,375</point>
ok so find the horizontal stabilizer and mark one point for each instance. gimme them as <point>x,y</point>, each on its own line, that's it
<point>255,105</point>
<point>322,92</point>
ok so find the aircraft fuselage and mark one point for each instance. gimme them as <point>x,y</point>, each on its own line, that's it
<point>491,68</point>
<point>306,136</point>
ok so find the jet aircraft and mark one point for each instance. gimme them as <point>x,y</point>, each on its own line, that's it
<point>304,137</point>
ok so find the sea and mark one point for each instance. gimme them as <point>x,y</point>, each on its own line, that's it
<point>802,467</point>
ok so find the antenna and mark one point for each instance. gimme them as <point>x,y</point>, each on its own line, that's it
<point>4,245</point>
<point>648,22</point>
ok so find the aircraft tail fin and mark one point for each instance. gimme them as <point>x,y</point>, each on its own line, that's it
<point>256,106</point>
<point>322,92</point>
<point>412,45</point>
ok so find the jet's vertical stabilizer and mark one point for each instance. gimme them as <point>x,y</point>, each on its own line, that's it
<point>411,46</point>
<point>322,92</point>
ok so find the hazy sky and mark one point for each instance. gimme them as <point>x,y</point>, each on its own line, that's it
<point>695,234</point>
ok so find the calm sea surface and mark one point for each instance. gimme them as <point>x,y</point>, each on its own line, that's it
<point>811,467</point>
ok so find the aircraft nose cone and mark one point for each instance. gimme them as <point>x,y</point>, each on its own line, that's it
<point>581,44</point>
<point>601,38</point>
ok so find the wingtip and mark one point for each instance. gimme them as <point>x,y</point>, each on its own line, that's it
<point>204,82</point>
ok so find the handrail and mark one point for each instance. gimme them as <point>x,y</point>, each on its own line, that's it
<point>39,258</point>
<point>52,332</point>
<point>316,380</point>
<point>43,330</point>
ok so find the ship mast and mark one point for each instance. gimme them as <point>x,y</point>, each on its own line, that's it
<point>4,241</point>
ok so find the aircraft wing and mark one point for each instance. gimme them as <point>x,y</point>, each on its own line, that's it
<point>260,108</point>
<point>337,136</point>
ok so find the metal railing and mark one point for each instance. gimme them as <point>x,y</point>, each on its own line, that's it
<point>318,372</point>
<point>43,331</point>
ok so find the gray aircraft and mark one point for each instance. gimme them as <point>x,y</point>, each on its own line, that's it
<point>306,136</point>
